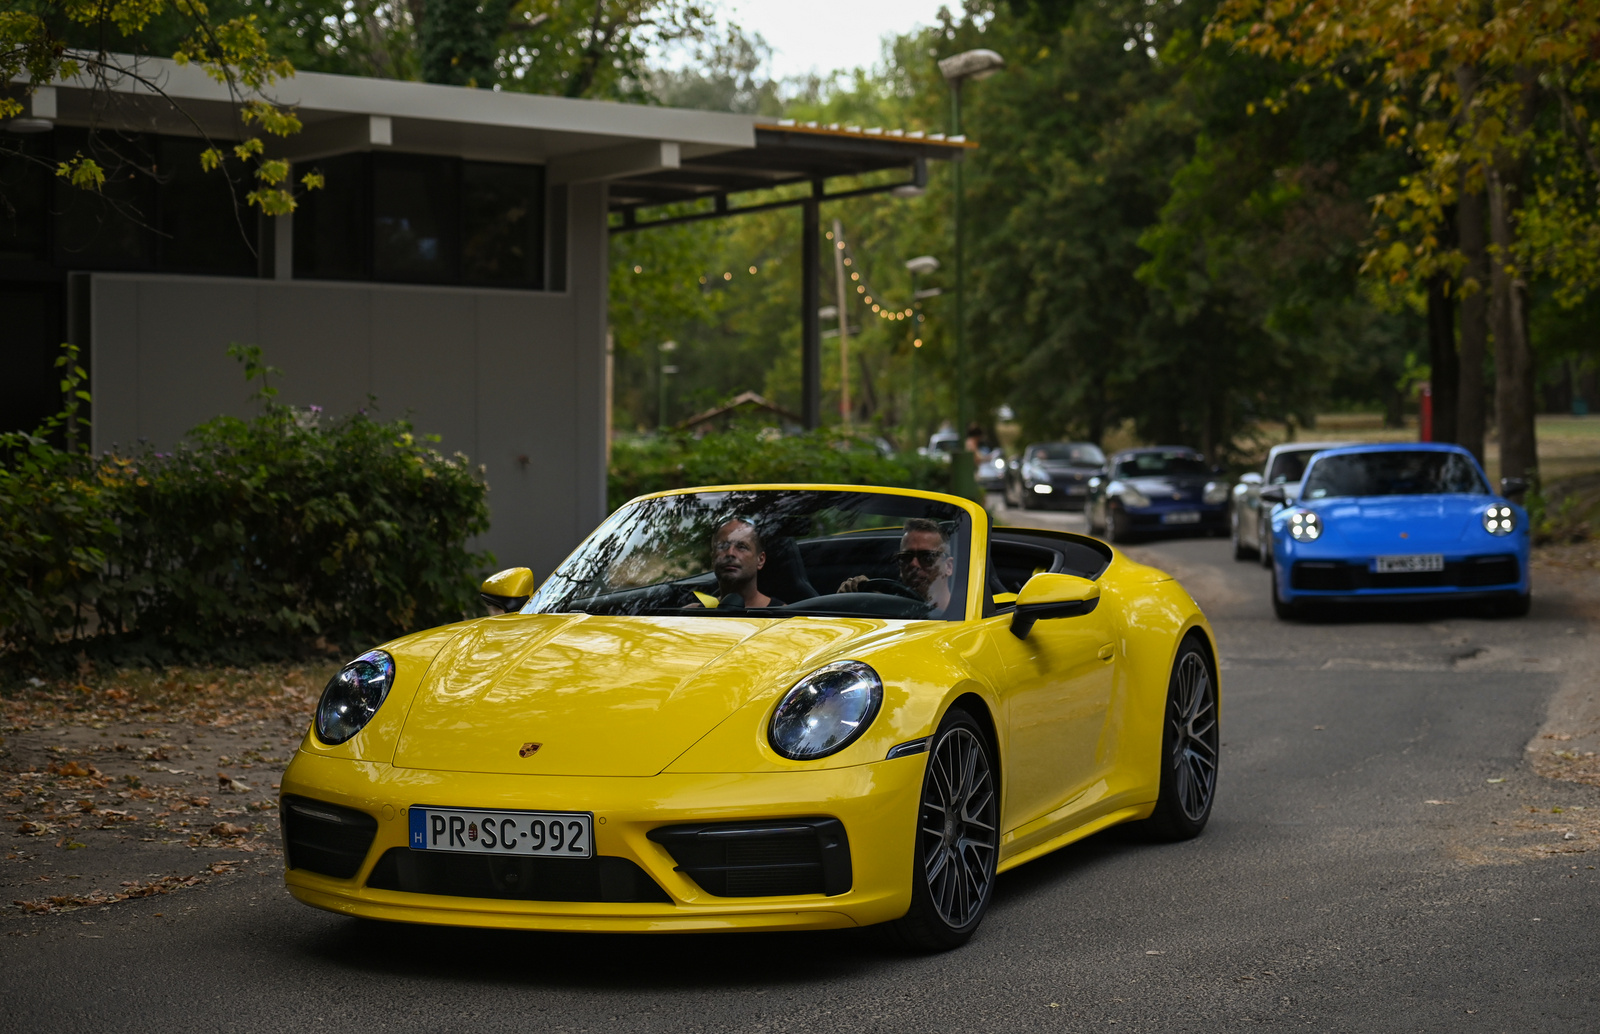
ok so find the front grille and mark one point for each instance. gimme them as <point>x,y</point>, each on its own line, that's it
<point>1337,576</point>
<point>762,859</point>
<point>600,878</point>
<point>325,838</point>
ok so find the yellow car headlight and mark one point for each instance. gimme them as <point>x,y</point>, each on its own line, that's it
<point>826,711</point>
<point>353,696</point>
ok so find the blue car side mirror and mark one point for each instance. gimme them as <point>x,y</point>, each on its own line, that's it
<point>1514,488</point>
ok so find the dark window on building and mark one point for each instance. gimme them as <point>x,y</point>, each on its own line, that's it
<point>113,227</point>
<point>330,224</point>
<point>416,218</point>
<point>502,224</point>
<point>30,340</point>
<point>206,225</point>
<point>421,219</point>
<point>25,175</point>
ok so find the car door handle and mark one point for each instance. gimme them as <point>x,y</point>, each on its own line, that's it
<point>1108,651</point>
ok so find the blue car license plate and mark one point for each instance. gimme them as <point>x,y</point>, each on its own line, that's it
<point>1408,564</point>
<point>1181,517</point>
<point>545,834</point>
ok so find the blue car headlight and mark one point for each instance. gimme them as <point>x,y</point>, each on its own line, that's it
<point>1499,519</point>
<point>1305,526</point>
<point>353,696</point>
<point>1133,497</point>
<point>826,711</point>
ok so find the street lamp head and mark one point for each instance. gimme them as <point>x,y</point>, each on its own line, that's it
<point>971,64</point>
<point>922,265</point>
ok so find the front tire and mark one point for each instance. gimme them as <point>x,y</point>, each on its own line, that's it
<point>1515,606</point>
<point>1264,542</point>
<point>1240,550</point>
<point>1189,748</point>
<point>1286,610</point>
<point>1120,526</point>
<point>958,839</point>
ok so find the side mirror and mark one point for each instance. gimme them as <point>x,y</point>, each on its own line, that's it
<point>508,590</point>
<point>1251,478</point>
<point>1514,488</point>
<point>1275,494</point>
<point>1047,596</point>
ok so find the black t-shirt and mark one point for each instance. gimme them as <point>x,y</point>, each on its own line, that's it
<point>736,602</point>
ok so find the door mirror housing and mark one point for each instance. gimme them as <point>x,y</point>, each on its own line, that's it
<point>1514,488</point>
<point>1251,478</point>
<point>508,590</point>
<point>1047,596</point>
<point>1275,494</point>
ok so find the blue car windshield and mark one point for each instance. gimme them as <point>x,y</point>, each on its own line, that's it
<point>770,553</point>
<point>1393,473</point>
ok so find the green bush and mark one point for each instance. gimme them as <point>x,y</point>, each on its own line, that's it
<point>827,456</point>
<point>253,537</point>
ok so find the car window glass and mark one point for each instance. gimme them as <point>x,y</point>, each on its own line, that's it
<point>1160,464</point>
<point>1393,473</point>
<point>1081,454</point>
<point>825,552</point>
<point>1289,466</point>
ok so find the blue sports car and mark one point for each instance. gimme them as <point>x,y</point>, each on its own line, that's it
<point>1399,523</point>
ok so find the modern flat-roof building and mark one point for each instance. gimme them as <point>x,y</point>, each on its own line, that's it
<point>454,267</point>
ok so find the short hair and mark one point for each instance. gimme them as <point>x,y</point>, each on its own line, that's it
<point>755,531</point>
<point>924,524</point>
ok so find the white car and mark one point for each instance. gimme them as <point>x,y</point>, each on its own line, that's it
<point>1250,518</point>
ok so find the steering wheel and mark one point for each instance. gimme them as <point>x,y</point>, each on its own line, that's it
<point>890,587</point>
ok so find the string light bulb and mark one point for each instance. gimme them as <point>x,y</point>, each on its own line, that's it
<point>727,276</point>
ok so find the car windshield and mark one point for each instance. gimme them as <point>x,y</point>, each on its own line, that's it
<point>1066,452</point>
<point>1393,473</point>
<point>1289,466</point>
<point>951,445</point>
<point>812,551</point>
<point>1159,464</point>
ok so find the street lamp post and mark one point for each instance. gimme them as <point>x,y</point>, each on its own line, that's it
<point>664,349</point>
<point>974,65</point>
<point>922,265</point>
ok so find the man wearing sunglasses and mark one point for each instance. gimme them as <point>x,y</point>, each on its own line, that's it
<point>924,562</point>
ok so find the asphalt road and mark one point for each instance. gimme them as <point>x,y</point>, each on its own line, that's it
<point>1375,862</point>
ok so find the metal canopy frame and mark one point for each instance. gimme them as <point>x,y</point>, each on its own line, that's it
<point>786,154</point>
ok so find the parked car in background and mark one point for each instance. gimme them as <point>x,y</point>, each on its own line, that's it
<point>942,444</point>
<point>1398,523</point>
<point>1053,474</point>
<point>1162,489</point>
<point>1250,519</point>
<point>990,469</point>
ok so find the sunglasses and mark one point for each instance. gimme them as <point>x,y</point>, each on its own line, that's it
<point>925,557</point>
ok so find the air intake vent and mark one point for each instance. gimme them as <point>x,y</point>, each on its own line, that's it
<point>762,859</point>
<point>325,838</point>
<point>518,879</point>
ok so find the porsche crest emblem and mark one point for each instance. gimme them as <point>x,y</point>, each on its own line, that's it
<point>528,750</point>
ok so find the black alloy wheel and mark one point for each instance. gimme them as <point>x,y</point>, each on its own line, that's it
<point>958,839</point>
<point>1088,517</point>
<point>1285,610</point>
<point>1190,738</point>
<point>1240,550</point>
<point>1264,541</point>
<point>1118,523</point>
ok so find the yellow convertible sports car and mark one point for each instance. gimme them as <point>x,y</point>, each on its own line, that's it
<point>760,707</point>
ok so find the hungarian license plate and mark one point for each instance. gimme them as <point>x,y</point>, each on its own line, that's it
<point>546,834</point>
<point>1408,564</point>
<point>1180,517</point>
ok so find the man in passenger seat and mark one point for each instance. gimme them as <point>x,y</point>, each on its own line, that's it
<point>737,557</point>
<point>924,561</point>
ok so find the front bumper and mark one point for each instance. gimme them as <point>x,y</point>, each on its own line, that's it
<point>1163,516</point>
<point>876,803</point>
<point>1324,576</point>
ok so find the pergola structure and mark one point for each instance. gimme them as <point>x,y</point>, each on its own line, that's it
<point>786,153</point>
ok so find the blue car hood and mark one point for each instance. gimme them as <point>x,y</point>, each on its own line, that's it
<point>1400,523</point>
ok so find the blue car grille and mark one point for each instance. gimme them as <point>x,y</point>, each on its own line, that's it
<point>1338,576</point>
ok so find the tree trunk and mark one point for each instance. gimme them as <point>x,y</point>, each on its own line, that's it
<point>1445,367</point>
<point>1473,239</point>
<point>1508,310</point>
<point>1513,357</point>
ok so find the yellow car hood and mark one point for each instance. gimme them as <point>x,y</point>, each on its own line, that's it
<point>600,696</point>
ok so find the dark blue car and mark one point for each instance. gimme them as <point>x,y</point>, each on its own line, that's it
<point>1155,490</point>
<point>1401,522</point>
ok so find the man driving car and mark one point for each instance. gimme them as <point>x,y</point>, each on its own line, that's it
<point>924,563</point>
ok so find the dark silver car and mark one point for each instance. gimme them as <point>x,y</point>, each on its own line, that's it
<point>1053,474</point>
<point>1250,517</point>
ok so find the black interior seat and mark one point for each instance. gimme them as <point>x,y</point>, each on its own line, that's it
<point>783,577</point>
